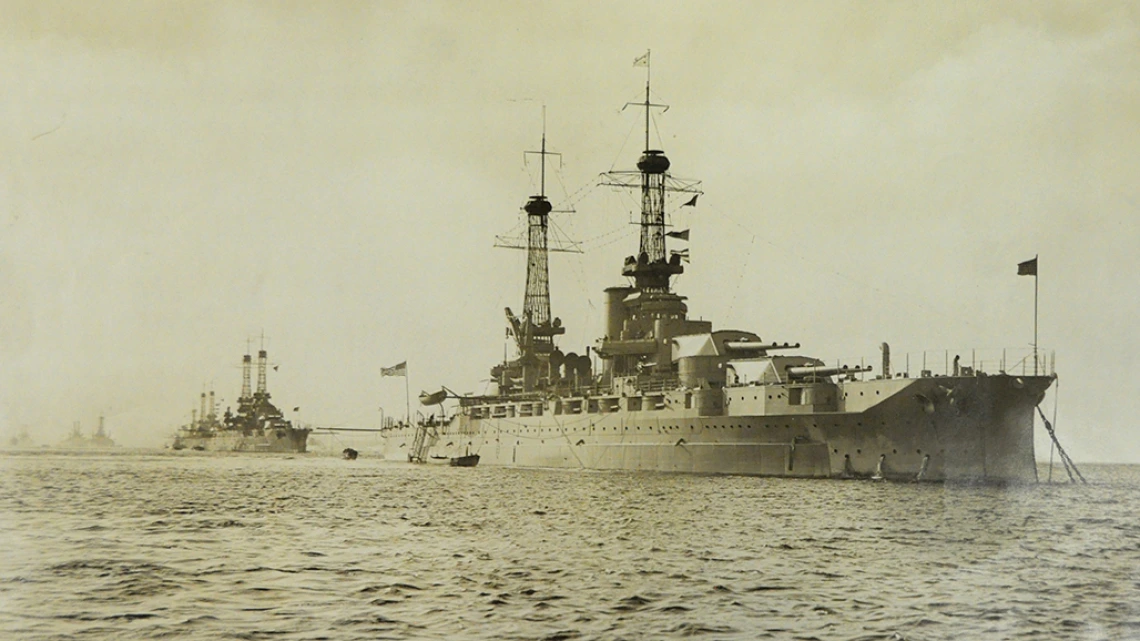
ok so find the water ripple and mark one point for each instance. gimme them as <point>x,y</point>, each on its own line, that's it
<point>303,548</point>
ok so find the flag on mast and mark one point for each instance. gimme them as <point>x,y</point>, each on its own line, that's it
<point>1027,268</point>
<point>641,61</point>
<point>683,234</point>
<point>692,202</point>
<point>400,369</point>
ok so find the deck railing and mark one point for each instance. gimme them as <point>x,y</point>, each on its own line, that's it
<point>959,362</point>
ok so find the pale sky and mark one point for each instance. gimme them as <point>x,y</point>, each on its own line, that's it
<point>178,177</point>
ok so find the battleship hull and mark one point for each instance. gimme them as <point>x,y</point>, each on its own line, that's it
<point>967,428</point>
<point>280,441</point>
<point>85,443</point>
<point>675,395</point>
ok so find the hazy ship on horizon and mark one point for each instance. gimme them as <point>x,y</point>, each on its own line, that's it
<point>77,441</point>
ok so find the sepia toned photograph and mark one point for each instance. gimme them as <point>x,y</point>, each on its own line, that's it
<point>357,320</point>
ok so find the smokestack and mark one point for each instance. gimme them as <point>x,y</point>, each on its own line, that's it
<point>246,364</point>
<point>886,360</point>
<point>202,412</point>
<point>213,408</point>
<point>262,357</point>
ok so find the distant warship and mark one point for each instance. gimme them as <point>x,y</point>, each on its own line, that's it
<point>21,440</point>
<point>676,395</point>
<point>256,426</point>
<point>77,441</point>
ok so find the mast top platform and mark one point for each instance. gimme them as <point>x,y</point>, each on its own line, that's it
<point>653,161</point>
<point>538,206</point>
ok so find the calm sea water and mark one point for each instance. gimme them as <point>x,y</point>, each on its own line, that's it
<point>150,546</point>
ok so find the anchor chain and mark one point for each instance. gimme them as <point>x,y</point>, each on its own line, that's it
<point>1070,466</point>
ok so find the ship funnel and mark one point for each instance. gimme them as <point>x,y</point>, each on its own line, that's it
<point>886,360</point>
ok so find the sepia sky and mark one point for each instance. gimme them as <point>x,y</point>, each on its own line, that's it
<point>179,177</point>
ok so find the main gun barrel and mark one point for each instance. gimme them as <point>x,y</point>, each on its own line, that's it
<point>817,371</point>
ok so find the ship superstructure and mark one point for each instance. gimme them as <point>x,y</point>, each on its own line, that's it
<point>256,426</point>
<point>677,395</point>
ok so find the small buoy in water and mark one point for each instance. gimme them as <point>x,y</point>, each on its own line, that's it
<point>349,454</point>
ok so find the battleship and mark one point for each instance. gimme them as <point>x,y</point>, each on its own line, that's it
<point>77,441</point>
<point>673,394</point>
<point>21,441</point>
<point>257,425</point>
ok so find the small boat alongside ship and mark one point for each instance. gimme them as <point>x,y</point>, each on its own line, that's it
<point>675,394</point>
<point>467,460</point>
<point>257,425</point>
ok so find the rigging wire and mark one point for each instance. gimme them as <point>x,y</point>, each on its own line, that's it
<point>657,130</point>
<point>623,228</point>
<point>815,265</point>
<point>623,144</point>
<point>740,279</point>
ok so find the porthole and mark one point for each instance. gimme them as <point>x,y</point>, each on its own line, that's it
<point>858,451</point>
